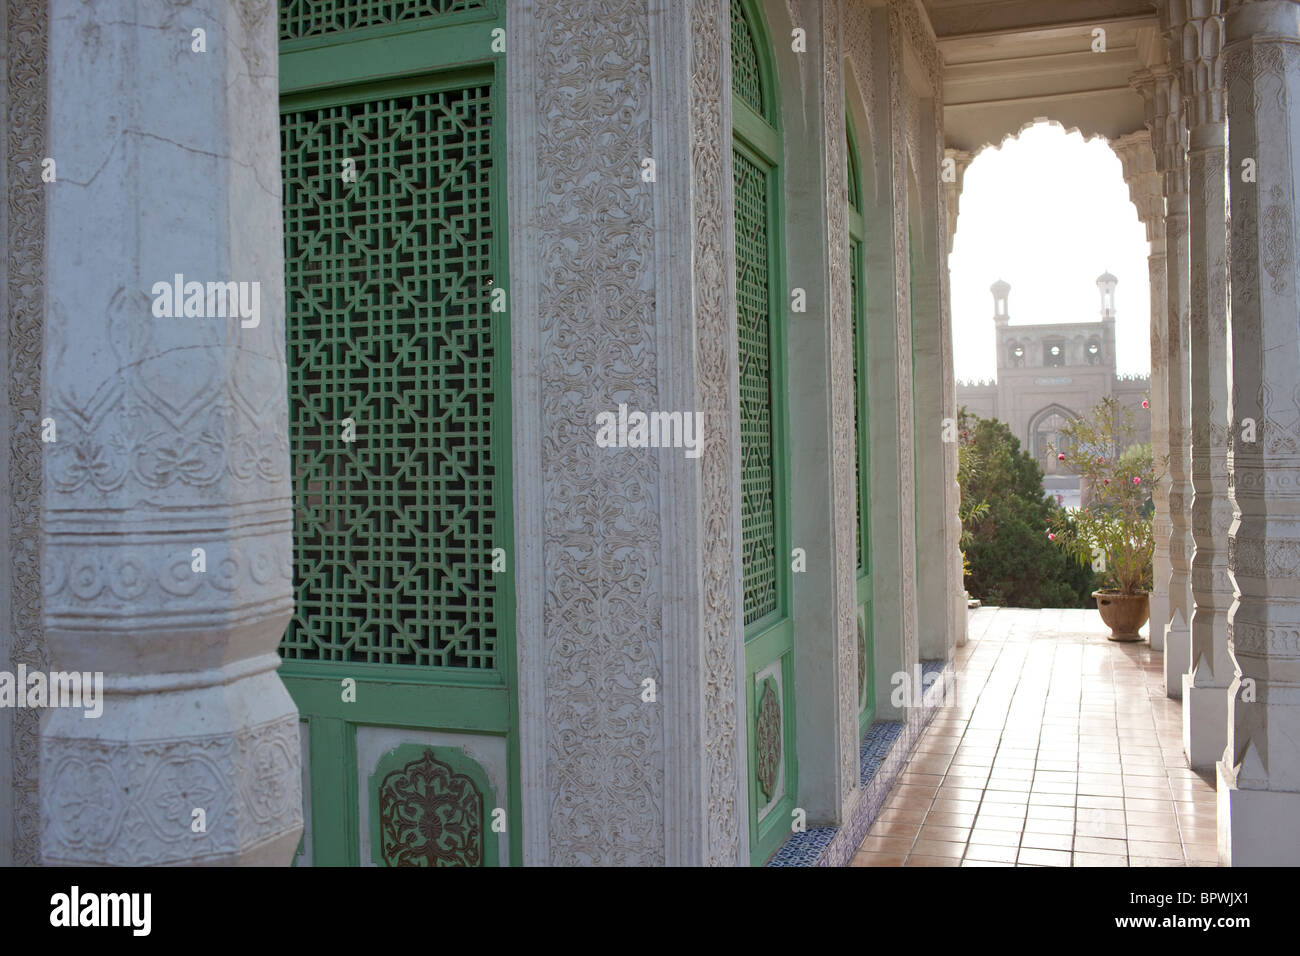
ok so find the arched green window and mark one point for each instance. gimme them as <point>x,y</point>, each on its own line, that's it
<point>765,512</point>
<point>861,432</point>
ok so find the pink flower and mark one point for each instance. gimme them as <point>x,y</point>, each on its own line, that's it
<point>1101,461</point>
<point>1145,403</point>
<point>1137,480</point>
<point>1105,481</point>
<point>1060,457</point>
<point>1050,536</point>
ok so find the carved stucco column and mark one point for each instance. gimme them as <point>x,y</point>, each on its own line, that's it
<point>1259,775</point>
<point>171,436</point>
<point>1160,88</point>
<point>1139,165</point>
<point>23,28</point>
<point>646,315</point>
<point>1196,41</point>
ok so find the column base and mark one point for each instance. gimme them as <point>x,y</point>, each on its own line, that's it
<point>1257,827</point>
<point>1178,659</point>
<point>1205,723</point>
<point>1159,615</point>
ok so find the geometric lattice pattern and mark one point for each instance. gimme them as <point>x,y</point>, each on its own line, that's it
<point>859,413</point>
<point>306,18</point>
<point>388,283</point>
<point>754,327</point>
<point>746,74</point>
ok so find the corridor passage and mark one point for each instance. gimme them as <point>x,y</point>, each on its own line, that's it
<point>1061,749</point>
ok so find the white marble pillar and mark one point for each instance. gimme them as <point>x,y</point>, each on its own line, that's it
<point>952,176</point>
<point>1160,88</point>
<point>1259,775</point>
<point>171,436</point>
<point>1196,42</point>
<point>1138,162</point>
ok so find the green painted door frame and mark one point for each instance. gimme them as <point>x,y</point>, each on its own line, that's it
<point>769,624</point>
<point>862,435</point>
<point>394,546</point>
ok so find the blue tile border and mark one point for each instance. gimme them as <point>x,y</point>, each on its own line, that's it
<point>885,748</point>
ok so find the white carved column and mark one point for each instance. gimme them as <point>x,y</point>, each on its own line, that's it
<point>23,28</point>
<point>647,316</point>
<point>1138,162</point>
<point>1161,90</point>
<point>952,176</point>
<point>1196,42</point>
<point>171,436</point>
<point>1259,776</point>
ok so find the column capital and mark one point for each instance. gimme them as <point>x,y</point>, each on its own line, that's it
<point>961,159</point>
<point>1139,165</point>
<point>1252,19</point>
<point>1195,34</point>
<point>1160,90</point>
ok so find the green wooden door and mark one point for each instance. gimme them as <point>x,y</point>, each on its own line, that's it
<point>765,512</point>
<point>862,438</point>
<point>400,655</point>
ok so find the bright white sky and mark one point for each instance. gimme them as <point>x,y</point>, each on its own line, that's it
<point>1048,213</point>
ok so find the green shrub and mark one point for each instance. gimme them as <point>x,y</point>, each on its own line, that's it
<point>1005,520</point>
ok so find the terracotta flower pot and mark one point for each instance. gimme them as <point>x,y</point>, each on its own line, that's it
<point>1123,613</point>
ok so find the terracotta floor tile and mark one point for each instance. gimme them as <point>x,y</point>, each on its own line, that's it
<point>1047,841</point>
<point>1110,831</point>
<point>1049,826</point>
<point>1062,750</point>
<point>1163,851</point>
<point>1052,799</point>
<point>1153,861</point>
<point>932,861</point>
<point>901,816</point>
<point>1044,857</point>
<point>938,848</point>
<point>942,833</point>
<point>864,858</point>
<point>950,819</point>
<point>960,793</point>
<point>990,837</point>
<point>955,806</point>
<point>875,844</point>
<point>1051,813</point>
<point>1088,844</point>
<point>1098,859</point>
<point>986,822</point>
<point>991,853</point>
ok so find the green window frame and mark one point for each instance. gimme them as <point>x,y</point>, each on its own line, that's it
<point>765,467</point>
<point>861,432</point>
<point>401,336</point>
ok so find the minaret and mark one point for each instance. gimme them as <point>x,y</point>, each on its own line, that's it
<point>1000,292</point>
<point>1106,286</point>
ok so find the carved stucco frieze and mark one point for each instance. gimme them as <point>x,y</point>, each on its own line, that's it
<point>25,81</point>
<point>902,300</point>
<point>715,370</point>
<point>115,802</point>
<point>842,399</point>
<point>601,519</point>
<point>857,47</point>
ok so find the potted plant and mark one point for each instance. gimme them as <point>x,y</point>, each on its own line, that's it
<point>1112,531</point>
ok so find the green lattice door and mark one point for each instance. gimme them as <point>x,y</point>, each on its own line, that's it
<point>400,653</point>
<point>862,437</point>
<point>765,482</point>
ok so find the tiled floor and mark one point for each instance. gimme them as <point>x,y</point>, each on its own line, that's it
<point>1061,750</point>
